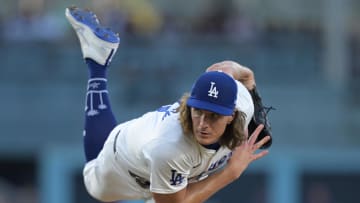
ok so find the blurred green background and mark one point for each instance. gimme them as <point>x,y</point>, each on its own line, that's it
<point>305,55</point>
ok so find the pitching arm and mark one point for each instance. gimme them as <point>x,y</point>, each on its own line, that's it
<point>241,73</point>
<point>201,191</point>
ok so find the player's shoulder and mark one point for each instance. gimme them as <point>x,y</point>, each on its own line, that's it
<point>174,147</point>
<point>168,111</point>
<point>242,90</point>
<point>172,141</point>
<point>155,117</point>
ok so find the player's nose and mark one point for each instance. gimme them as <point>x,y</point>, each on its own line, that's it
<point>203,121</point>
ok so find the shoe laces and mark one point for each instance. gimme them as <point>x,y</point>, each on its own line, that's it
<point>267,109</point>
<point>263,116</point>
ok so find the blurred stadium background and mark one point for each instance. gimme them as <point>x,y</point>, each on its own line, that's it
<point>305,55</point>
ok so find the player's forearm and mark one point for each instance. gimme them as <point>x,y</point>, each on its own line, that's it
<point>241,73</point>
<point>246,76</point>
<point>201,191</point>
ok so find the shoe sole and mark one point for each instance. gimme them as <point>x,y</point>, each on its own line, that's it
<point>85,19</point>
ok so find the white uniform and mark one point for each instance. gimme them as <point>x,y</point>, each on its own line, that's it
<point>151,154</point>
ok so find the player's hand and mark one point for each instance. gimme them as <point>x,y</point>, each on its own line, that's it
<point>246,153</point>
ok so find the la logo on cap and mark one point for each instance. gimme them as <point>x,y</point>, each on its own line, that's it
<point>213,91</point>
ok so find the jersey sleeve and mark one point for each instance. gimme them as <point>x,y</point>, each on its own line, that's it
<point>244,102</point>
<point>169,169</point>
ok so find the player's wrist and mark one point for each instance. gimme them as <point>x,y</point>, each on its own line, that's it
<point>246,77</point>
<point>250,85</point>
<point>233,173</point>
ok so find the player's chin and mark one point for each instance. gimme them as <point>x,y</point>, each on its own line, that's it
<point>205,140</point>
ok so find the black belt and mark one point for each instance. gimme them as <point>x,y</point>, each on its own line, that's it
<point>142,182</point>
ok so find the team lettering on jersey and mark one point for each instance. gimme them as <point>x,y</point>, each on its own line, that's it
<point>197,178</point>
<point>213,92</point>
<point>167,111</point>
<point>176,178</point>
<point>218,163</point>
<point>214,166</point>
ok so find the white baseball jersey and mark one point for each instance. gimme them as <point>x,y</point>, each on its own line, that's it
<point>151,154</point>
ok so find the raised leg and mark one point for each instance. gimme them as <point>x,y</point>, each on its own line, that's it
<point>98,46</point>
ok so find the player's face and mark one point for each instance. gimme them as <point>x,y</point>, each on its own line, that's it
<point>208,126</point>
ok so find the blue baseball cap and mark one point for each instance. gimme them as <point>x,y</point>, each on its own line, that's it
<point>214,91</point>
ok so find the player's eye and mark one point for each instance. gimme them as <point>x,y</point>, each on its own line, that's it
<point>210,116</point>
<point>196,112</point>
<point>214,116</point>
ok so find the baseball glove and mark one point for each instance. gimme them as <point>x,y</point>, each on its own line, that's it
<point>260,117</point>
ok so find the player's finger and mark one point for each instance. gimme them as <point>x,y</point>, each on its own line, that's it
<point>262,142</point>
<point>255,134</point>
<point>260,154</point>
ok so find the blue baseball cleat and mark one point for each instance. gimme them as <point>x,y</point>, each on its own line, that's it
<point>97,42</point>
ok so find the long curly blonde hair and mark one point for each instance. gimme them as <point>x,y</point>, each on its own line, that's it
<point>234,134</point>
